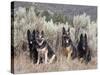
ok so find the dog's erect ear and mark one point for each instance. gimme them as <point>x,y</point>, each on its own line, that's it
<point>63,30</point>
<point>81,36</point>
<point>34,31</point>
<point>42,32</point>
<point>85,37</point>
<point>68,29</point>
<point>68,32</point>
<point>33,34</point>
<point>37,32</point>
<point>28,34</point>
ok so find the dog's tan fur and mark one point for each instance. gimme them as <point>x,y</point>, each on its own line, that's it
<point>67,52</point>
<point>44,54</point>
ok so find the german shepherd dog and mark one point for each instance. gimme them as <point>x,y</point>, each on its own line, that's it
<point>69,49</point>
<point>45,53</point>
<point>32,45</point>
<point>84,52</point>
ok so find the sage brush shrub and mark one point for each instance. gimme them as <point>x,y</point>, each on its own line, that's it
<point>31,18</point>
<point>47,15</point>
<point>59,18</point>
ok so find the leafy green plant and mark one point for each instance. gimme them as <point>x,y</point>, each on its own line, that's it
<point>47,15</point>
<point>59,18</point>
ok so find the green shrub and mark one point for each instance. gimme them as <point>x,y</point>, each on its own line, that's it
<point>59,18</point>
<point>47,15</point>
<point>37,12</point>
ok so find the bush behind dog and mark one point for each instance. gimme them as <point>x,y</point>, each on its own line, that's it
<point>27,19</point>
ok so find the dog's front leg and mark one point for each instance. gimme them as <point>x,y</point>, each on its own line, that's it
<point>46,57</point>
<point>38,59</point>
<point>69,56</point>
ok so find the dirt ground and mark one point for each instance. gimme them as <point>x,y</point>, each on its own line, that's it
<point>23,64</point>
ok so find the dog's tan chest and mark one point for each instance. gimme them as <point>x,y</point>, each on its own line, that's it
<point>68,49</point>
<point>42,51</point>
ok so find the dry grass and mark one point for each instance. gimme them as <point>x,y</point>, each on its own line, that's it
<point>23,64</point>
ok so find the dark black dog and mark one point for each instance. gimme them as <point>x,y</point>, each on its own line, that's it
<point>68,47</point>
<point>32,45</point>
<point>83,49</point>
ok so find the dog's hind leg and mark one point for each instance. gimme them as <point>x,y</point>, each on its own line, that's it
<point>52,58</point>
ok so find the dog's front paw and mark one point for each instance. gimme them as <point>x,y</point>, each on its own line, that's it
<point>37,62</point>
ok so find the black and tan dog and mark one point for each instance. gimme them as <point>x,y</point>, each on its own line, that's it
<point>45,53</point>
<point>84,53</point>
<point>32,45</point>
<point>69,49</point>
